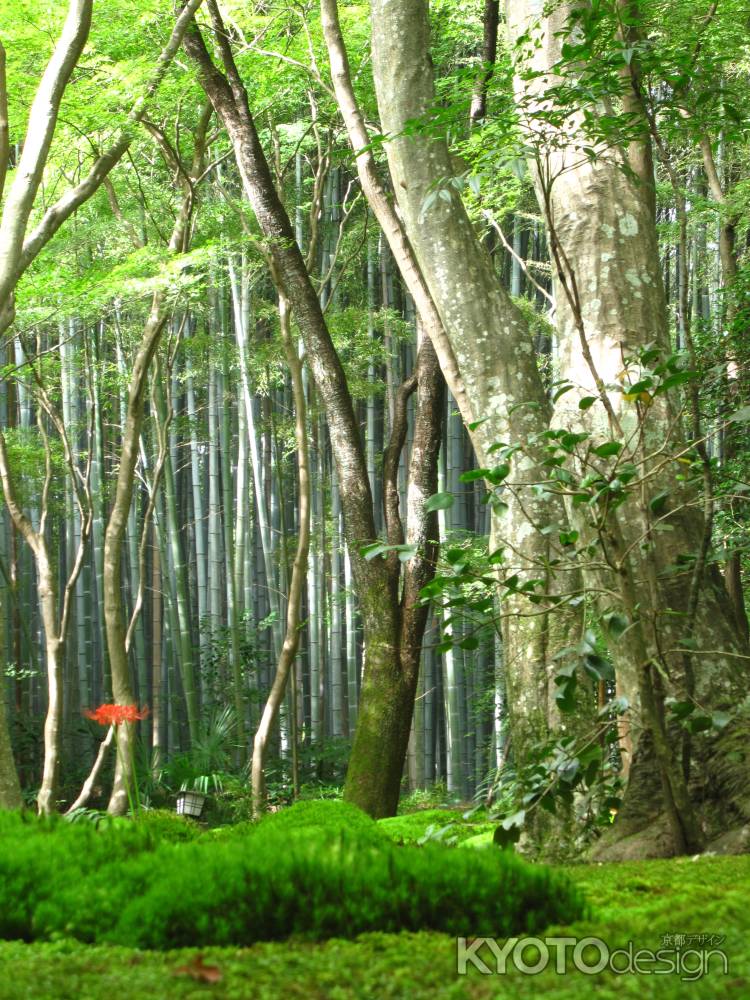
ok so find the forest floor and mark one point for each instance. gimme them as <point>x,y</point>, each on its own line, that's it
<point>637,902</point>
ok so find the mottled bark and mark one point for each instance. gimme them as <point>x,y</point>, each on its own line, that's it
<point>384,210</point>
<point>610,305</point>
<point>489,337</point>
<point>387,703</point>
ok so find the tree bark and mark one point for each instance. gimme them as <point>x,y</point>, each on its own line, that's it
<point>10,787</point>
<point>490,341</point>
<point>610,306</point>
<point>382,705</point>
<point>387,700</point>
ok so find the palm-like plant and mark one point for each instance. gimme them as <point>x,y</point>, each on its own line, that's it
<point>203,766</point>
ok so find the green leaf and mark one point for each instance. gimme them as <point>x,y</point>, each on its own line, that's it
<point>561,391</point>
<point>608,449</point>
<point>374,549</point>
<point>680,709</point>
<point>506,838</point>
<point>406,552</point>
<point>498,474</point>
<point>659,502</point>
<point>472,475</point>
<point>498,506</point>
<point>565,695</point>
<point>679,378</point>
<point>568,441</point>
<point>639,387</point>
<point>587,402</point>
<point>720,720</point>
<point>439,501</point>
<point>598,668</point>
<point>615,624</point>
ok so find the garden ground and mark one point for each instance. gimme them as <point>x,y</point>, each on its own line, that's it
<point>638,902</point>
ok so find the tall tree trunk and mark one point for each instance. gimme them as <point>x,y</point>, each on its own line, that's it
<point>10,787</point>
<point>610,305</point>
<point>114,535</point>
<point>489,339</point>
<point>387,700</point>
<point>372,781</point>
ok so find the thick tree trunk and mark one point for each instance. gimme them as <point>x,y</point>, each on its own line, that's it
<point>610,305</point>
<point>489,339</point>
<point>387,701</point>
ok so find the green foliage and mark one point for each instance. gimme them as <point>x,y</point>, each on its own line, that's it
<point>201,768</point>
<point>447,826</point>
<point>322,870</point>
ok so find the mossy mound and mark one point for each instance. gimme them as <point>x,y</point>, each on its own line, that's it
<point>320,871</point>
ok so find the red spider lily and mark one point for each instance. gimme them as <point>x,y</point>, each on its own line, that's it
<point>115,715</point>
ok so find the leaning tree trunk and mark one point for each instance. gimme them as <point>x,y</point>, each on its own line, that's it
<point>381,705</point>
<point>114,535</point>
<point>610,306</point>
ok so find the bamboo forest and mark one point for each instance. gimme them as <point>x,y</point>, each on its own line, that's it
<point>375,498</point>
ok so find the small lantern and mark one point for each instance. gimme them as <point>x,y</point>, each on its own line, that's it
<point>190,804</point>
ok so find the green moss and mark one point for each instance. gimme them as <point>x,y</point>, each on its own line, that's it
<point>479,840</point>
<point>633,901</point>
<point>316,871</point>
<point>448,825</point>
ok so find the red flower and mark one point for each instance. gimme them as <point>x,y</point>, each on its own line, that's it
<point>115,715</point>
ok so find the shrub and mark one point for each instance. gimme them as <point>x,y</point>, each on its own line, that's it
<point>315,871</point>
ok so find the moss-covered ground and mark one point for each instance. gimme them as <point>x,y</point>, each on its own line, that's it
<point>638,902</point>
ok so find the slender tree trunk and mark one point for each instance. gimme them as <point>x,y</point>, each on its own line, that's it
<point>10,788</point>
<point>377,760</point>
<point>290,645</point>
